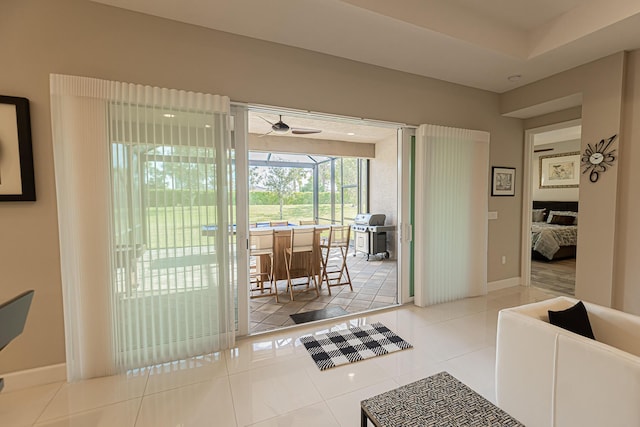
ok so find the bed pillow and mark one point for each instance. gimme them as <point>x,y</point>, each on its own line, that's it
<point>565,213</point>
<point>537,215</point>
<point>563,220</point>
<point>574,319</point>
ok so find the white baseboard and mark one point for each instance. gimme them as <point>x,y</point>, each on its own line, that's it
<point>504,283</point>
<point>33,377</point>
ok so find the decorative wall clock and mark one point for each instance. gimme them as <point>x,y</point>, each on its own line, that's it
<point>598,158</point>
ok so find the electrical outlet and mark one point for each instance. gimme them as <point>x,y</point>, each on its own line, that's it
<point>504,259</point>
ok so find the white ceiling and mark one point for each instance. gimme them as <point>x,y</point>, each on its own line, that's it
<point>333,129</point>
<point>570,133</point>
<point>477,43</point>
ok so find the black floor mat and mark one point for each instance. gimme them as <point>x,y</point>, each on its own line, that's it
<point>325,313</point>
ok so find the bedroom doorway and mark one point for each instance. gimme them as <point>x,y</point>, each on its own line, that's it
<point>550,231</point>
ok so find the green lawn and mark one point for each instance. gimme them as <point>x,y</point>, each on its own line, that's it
<point>176,227</point>
<point>294,213</point>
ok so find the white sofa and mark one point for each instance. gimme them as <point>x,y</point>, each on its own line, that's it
<point>548,376</point>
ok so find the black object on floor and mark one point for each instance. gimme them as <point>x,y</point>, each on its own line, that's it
<point>325,313</point>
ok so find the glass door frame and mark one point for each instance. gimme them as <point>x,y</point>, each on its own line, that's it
<point>239,132</point>
<point>406,194</point>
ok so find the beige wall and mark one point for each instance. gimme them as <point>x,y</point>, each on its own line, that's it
<point>553,118</point>
<point>78,37</point>
<point>504,232</point>
<point>627,278</point>
<point>383,186</point>
<point>601,85</point>
<point>279,144</point>
<point>557,194</point>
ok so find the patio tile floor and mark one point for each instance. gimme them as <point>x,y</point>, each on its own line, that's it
<point>374,286</point>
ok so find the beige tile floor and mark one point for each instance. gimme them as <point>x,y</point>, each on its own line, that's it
<point>375,284</point>
<point>270,380</point>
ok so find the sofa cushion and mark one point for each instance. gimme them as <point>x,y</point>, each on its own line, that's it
<point>574,319</point>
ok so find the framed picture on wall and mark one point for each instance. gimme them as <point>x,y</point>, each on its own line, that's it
<point>17,181</point>
<point>503,181</point>
<point>560,170</point>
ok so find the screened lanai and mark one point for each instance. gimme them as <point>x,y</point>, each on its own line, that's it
<point>294,187</point>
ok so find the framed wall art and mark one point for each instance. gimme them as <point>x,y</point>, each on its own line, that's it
<point>503,181</point>
<point>17,181</point>
<point>560,170</point>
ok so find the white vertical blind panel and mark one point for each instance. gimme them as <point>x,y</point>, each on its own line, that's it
<point>158,223</point>
<point>81,155</point>
<point>451,208</point>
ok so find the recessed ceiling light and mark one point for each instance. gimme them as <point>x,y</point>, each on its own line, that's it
<point>514,78</point>
<point>350,133</point>
<point>169,115</point>
<point>207,126</point>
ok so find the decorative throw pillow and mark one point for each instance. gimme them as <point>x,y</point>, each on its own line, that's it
<point>566,213</point>
<point>563,220</point>
<point>574,319</point>
<point>537,215</point>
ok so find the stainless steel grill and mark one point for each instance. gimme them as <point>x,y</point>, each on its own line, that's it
<point>370,234</point>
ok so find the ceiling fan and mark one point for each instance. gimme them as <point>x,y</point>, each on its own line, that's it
<point>282,127</point>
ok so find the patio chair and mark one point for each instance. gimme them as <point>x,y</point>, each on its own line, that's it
<point>334,250</point>
<point>302,242</point>
<point>308,222</point>
<point>261,244</point>
<point>280,223</point>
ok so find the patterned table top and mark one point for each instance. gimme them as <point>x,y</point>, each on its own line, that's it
<point>438,401</point>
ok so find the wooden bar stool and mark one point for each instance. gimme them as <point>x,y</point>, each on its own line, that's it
<point>302,241</point>
<point>334,250</point>
<point>261,244</point>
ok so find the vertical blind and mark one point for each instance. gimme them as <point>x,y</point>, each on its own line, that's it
<point>144,178</point>
<point>451,203</point>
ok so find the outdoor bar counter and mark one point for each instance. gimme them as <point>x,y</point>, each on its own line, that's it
<point>282,240</point>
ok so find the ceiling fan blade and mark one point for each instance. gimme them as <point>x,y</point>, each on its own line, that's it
<point>303,131</point>
<point>266,120</point>
<point>265,134</point>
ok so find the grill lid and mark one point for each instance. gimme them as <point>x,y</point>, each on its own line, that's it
<point>370,219</point>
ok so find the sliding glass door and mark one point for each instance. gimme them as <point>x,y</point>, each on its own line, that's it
<point>144,180</point>
<point>406,203</point>
<point>172,205</point>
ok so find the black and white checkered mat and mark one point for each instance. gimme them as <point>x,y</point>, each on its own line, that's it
<point>351,345</point>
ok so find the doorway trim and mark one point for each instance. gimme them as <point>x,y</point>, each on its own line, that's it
<point>527,194</point>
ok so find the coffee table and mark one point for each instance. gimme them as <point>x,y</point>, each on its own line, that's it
<point>437,401</point>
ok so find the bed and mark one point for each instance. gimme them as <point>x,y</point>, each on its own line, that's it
<point>556,237</point>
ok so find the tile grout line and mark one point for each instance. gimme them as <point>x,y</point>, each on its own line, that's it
<point>48,403</point>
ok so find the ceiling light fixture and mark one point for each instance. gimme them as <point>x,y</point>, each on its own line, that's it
<point>351,134</point>
<point>514,78</point>
<point>169,115</point>
<point>207,126</point>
